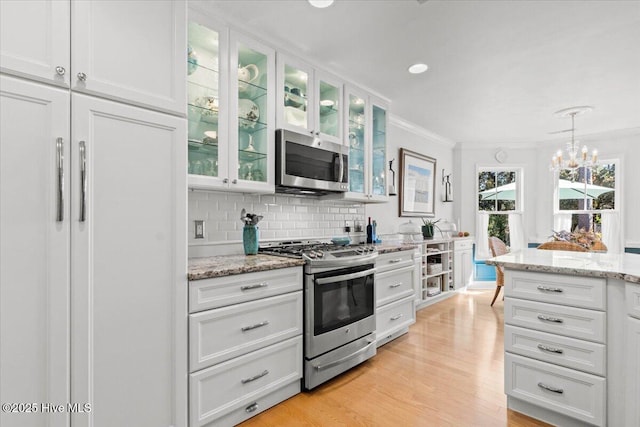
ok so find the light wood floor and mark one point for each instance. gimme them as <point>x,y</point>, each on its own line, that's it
<point>447,371</point>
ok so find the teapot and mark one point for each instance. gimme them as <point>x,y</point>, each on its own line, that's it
<point>247,75</point>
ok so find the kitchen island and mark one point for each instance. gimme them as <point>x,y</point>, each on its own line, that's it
<point>572,336</point>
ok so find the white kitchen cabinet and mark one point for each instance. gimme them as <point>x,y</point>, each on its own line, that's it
<point>365,128</point>
<point>235,150</point>
<point>633,354</point>
<point>556,344</point>
<point>462,262</point>
<point>34,249</point>
<point>35,40</point>
<point>128,296</point>
<point>395,301</point>
<point>436,271</point>
<point>118,271</point>
<point>308,101</point>
<point>76,43</point>
<point>245,345</point>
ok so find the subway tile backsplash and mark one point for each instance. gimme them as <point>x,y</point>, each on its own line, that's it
<point>285,217</point>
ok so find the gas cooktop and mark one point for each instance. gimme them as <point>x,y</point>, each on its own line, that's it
<point>317,252</point>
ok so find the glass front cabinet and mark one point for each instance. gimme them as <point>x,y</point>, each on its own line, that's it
<point>366,130</point>
<point>231,111</point>
<point>308,101</point>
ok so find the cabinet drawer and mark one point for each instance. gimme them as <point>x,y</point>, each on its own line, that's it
<point>393,285</point>
<point>237,383</point>
<point>395,316</point>
<point>227,290</point>
<point>578,291</point>
<point>394,260</point>
<point>557,319</point>
<point>577,395</point>
<point>224,333</point>
<point>459,245</point>
<point>569,352</point>
<point>633,299</point>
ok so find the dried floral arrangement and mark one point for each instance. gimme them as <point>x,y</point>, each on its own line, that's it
<point>580,236</point>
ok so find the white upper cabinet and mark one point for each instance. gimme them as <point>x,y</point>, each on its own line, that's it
<point>110,43</point>
<point>308,100</point>
<point>100,47</point>
<point>366,129</point>
<point>35,40</point>
<point>231,85</point>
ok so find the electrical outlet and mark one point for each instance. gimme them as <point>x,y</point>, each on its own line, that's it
<point>199,229</point>
<point>347,227</point>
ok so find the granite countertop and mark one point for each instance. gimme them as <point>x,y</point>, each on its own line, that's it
<point>227,265</point>
<point>607,265</point>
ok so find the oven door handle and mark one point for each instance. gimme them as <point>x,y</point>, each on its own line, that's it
<point>345,358</point>
<point>333,279</point>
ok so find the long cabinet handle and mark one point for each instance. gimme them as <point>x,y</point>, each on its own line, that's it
<point>60,162</point>
<point>345,358</point>
<point>548,289</point>
<point>257,325</point>
<point>251,408</point>
<point>396,317</point>
<point>550,349</point>
<point>256,286</point>
<point>550,319</point>
<point>83,181</point>
<point>550,388</point>
<point>395,261</point>
<point>255,377</point>
<point>395,285</point>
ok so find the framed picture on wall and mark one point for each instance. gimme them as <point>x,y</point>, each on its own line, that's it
<point>417,184</point>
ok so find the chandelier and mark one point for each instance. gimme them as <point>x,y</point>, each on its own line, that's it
<point>576,158</point>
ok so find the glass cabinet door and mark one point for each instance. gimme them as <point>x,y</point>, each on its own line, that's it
<point>204,100</point>
<point>329,108</point>
<point>296,97</point>
<point>252,114</point>
<point>357,142</point>
<point>379,151</point>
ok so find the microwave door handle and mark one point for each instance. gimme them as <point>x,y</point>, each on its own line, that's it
<point>341,176</point>
<point>334,279</point>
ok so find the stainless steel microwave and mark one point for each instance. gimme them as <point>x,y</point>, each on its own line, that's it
<point>308,165</point>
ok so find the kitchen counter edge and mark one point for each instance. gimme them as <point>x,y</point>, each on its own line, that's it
<point>607,265</point>
<point>227,265</point>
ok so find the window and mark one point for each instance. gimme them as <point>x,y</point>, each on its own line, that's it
<point>499,195</point>
<point>588,199</point>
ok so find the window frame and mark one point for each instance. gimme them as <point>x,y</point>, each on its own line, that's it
<point>519,202</point>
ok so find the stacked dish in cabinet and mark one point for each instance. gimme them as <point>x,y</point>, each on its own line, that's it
<point>245,344</point>
<point>395,301</point>
<point>437,263</point>
<point>555,346</point>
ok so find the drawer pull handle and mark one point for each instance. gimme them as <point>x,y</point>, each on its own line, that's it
<point>396,317</point>
<point>395,261</point>
<point>549,388</point>
<point>256,286</point>
<point>550,349</point>
<point>255,377</point>
<point>548,289</point>
<point>251,408</point>
<point>550,319</point>
<point>396,285</point>
<point>257,325</point>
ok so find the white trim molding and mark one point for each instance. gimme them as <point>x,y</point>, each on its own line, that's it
<point>420,131</point>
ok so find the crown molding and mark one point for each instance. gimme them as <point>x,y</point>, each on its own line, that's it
<point>420,131</point>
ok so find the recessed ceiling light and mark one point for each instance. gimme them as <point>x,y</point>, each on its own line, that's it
<point>418,68</point>
<point>321,4</point>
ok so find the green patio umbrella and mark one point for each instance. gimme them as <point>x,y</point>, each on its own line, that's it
<point>568,190</point>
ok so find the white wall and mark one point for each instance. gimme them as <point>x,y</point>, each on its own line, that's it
<point>403,135</point>
<point>538,184</point>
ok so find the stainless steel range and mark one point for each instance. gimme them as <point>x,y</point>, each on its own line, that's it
<point>339,307</point>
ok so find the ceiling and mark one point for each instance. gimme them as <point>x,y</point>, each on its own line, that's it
<point>498,70</point>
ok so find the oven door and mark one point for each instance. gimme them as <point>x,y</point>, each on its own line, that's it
<point>340,307</point>
<point>306,162</point>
